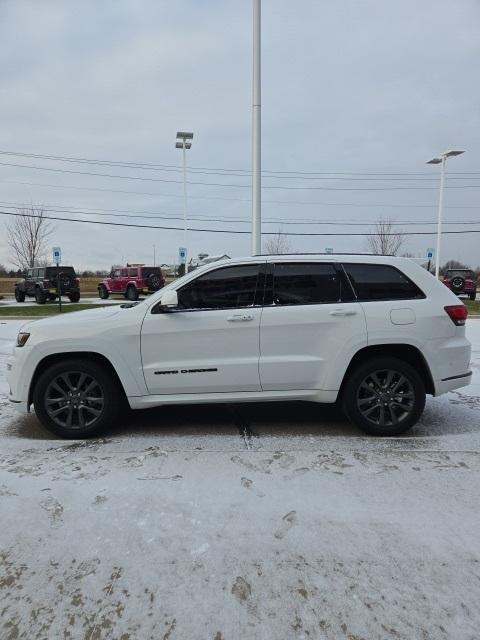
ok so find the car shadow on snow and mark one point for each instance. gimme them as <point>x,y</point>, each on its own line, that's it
<point>453,414</point>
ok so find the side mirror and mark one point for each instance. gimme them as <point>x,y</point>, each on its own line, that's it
<point>169,300</point>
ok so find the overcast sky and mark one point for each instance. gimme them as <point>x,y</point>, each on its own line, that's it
<point>348,87</point>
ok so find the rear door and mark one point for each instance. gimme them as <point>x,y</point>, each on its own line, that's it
<point>210,343</point>
<point>311,326</point>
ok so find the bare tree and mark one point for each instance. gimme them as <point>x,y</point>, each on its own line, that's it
<point>27,237</point>
<point>384,240</point>
<point>277,244</point>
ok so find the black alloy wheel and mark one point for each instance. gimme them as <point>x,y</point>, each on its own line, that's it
<point>77,398</point>
<point>384,396</point>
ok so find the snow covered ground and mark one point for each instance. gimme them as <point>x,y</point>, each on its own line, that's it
<point>259,521</point>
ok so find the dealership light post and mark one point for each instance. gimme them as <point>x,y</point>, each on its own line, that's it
<point>256,133</point>
<point>184,139</point>
<point>442,159</point>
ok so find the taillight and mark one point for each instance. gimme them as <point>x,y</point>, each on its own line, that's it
<point>458,314</point>
<point>77,282</point>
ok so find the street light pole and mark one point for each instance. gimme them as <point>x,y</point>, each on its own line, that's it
<point>256,133</point>
<point>182,143</point>
<point>440,213</point>
<point>442,159</point>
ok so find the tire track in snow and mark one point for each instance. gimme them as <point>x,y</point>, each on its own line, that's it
<point>245,431</point>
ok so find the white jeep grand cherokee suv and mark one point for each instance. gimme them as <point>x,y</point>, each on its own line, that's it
<point>375,333</point>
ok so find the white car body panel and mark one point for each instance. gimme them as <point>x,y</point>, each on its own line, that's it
<point>309,347</point>
<point>201,351</point>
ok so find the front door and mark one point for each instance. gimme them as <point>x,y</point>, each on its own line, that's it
<point>210,344</point>
<point>309,321</point>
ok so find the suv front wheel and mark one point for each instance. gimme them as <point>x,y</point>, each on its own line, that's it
<point>384,396</point>
<point>19,295</point>
<point>103,292</point>
<point>76,398</point>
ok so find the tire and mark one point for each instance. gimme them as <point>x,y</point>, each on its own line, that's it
<point>367,388</point>
<point>103,292</point>
<point>154,282</point>
<point>458,283</point>
<point>19,295</point>
<point>473,296</point>
<point>131,293</point>
<point>74,297</point>
<point>62,378</point>
<point>40,296</point>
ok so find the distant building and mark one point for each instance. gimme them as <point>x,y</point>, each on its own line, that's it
<point>204,258</point>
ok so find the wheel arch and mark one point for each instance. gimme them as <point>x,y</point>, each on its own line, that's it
<point>406,352</point>
<point>91,356</point>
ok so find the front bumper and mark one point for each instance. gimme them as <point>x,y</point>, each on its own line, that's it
<point>21,365</point>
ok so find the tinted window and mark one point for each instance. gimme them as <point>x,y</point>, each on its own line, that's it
<point>381,282</point>
<point>52,271</point>
<point>314,283</point>
<point>221,289</point>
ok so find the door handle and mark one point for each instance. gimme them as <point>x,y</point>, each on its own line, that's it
<point>342,312</point>
<point>241,317</point>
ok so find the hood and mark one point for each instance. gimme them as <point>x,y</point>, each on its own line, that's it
<point>74,318</point>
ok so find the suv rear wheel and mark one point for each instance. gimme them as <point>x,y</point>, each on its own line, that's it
<point>473,295</point>
<point>40,296</point>
<point>384,396</point>
<point>131,293</point>
<point>19,295</point>
<point>74,297</point>
<point>76,398</point>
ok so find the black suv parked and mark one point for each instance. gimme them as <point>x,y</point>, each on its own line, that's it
<point>41,283</point>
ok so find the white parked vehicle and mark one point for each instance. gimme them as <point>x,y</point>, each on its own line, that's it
<point>374,333</point>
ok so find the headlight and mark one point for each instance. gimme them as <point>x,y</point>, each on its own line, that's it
<point>22,339</point>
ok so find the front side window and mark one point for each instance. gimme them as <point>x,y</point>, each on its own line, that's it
<point>116,273</point>
<point>381,282</point>
<point>312,283</point>
<point>225,288</point>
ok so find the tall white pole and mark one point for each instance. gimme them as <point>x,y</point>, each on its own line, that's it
<point>184,195</point>
<point>256,133</point>
<point>439,225</point>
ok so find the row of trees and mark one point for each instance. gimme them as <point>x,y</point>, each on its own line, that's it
<point>29,232</point>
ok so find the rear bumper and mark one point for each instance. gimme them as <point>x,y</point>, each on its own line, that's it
<point>449,362</point>
<point>452,382</point>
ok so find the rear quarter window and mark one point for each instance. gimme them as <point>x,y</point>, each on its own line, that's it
<point>381,282</point>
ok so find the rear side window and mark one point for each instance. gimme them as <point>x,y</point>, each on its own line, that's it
<point>308,283</point>
<point>225,288</point>
<point>381,282</point>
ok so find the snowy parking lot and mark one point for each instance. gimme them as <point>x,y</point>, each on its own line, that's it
<point>242,522</point>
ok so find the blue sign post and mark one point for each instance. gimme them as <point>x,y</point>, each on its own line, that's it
<point>57,258</point>
<point>430,255</point>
